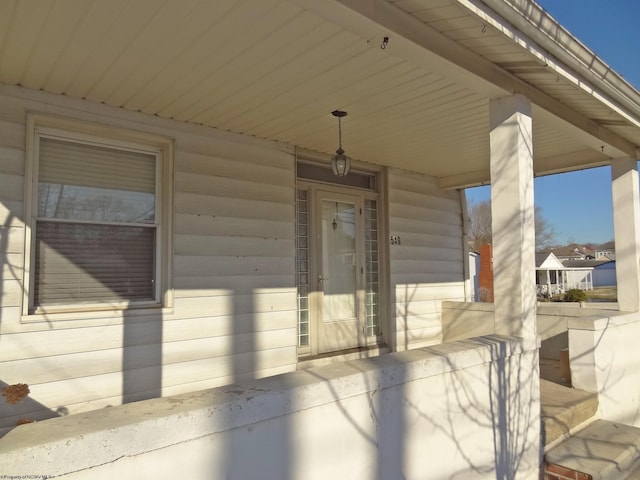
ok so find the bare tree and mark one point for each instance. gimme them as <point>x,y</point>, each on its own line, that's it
<point>480,228</point>
<point>480,224</point>
<point>545,232</point>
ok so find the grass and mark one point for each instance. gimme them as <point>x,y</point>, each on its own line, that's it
<point>598,294</point>
<point>603,294</point>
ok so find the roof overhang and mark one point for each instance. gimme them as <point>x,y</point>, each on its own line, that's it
<point>275,69</point>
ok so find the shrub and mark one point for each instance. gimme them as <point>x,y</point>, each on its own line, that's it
<point>575,295</point>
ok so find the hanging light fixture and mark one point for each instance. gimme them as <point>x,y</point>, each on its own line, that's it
<point>340,163</point>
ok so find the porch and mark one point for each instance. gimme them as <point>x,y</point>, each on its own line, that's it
<point>470,403</point>
<point>468,406</point>
<point>586,360</point>
<point>219,107</point>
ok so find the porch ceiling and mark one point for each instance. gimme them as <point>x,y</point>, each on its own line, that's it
<point>275,69</point>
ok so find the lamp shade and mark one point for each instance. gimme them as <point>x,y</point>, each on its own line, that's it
<point>340,163</point>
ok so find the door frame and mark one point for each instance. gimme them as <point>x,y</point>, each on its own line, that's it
<point>311,187</point>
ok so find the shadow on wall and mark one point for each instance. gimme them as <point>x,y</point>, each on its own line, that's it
<point>383,428</point>
<point>16,407</point>
<point>512,415</point>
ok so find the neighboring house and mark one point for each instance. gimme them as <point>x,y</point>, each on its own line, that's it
<point>579,267</point>
<point>554,277</point>
<point>606,251</point>
<point>170,222</point>
<point>605,254</point>
<point>604,274</point>
<point>572,252</point>
<point>579,274</point>
<point>474,275</point>
<point>549,275</point>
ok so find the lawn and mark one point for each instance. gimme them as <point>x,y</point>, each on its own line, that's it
<point>603,294</point>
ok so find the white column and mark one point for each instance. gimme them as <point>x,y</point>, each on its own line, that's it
<point>512,212</point>
<point>626,224</point>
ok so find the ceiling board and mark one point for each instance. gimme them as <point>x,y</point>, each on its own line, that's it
<point>275,69</point>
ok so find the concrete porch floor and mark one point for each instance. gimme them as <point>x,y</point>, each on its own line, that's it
<point>563,408</point>
<point>575,440</point>
<point>603,450</point>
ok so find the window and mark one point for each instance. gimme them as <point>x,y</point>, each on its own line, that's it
<point>100,228</point>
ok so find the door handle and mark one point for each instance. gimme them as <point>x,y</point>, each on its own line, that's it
<point>321,280</point>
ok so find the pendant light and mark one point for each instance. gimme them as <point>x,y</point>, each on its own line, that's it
<point>340,163</point>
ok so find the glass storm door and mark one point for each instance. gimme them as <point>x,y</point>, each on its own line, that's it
<point>339,272</point>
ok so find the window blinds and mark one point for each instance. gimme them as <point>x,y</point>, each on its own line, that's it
<point>95,238</point>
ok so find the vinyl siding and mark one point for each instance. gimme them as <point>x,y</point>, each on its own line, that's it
<point>233,272</point>
<point>234,309</point>
<point>426,268</point>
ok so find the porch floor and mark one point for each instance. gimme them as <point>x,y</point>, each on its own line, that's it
<point>563,410</point>
<point>602,451</point>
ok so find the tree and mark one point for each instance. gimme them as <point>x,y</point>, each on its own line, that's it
<point>480,226</point>
<point>545,232</point>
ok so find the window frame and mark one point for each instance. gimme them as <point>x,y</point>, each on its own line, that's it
<point>39,126</point>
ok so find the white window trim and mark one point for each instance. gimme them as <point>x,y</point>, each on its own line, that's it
<point>74,130</point>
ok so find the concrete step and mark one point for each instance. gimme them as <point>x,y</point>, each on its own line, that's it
<point>605,450</point>
<point>634,474</point>
<point>563,409</point>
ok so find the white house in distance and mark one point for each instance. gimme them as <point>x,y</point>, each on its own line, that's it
<point>554,277</point>
<point>549,275</point>
<point>191,291</point>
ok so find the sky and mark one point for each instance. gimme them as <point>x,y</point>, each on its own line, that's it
<point>578,204</point>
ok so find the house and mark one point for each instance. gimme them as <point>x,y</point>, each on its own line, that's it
<point>553,277</point>
<point>572,252</point>
<point>605,254</point>
<point>579,274</point>
<point>606,251</point>
<point>550,278</point>
<point>604,273</point>
<point>474,275</point>
<point>198,292</point>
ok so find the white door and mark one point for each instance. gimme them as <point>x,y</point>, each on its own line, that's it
<point>339,267</point>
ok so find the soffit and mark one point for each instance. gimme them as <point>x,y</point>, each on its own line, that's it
<point>275,69</point>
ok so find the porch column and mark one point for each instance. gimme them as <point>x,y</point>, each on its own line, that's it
<point>512,213</point>
<point>626,225</point>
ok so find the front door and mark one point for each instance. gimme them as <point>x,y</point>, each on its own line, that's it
<point>337,265</point>
<point>340,267</point>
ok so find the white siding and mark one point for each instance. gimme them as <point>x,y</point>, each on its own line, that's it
<point>426,268</point>
<point>234,304</point>
<point>233,315</point>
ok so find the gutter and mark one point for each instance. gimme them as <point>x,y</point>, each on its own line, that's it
<point>533,21</point>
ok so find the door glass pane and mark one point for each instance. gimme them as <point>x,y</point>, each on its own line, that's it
<point>338,261</point>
